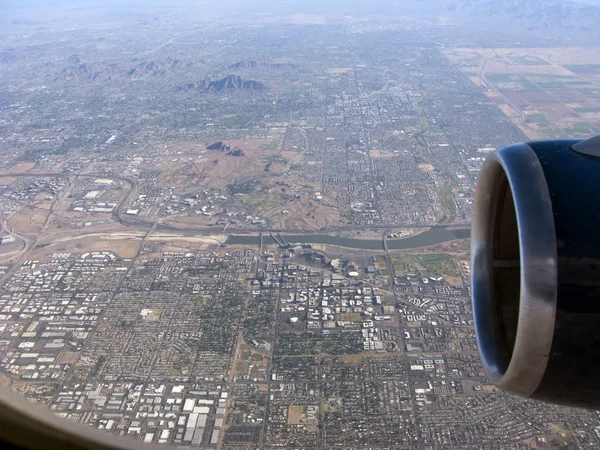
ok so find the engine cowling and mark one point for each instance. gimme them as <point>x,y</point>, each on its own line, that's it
<point>535,254</point>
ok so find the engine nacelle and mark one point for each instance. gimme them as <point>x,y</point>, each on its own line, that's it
<point>536,270</point>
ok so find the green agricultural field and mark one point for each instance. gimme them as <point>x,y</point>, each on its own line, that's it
<point>551,84</point>
<point>536,118</point>
<point>579,83</point>
<point>528,86</point>
<point>582,128</point>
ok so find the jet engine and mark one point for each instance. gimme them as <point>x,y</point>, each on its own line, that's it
<point>535,255</point>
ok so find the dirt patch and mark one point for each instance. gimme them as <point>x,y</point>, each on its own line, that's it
<point>351,317</point>
<point>380,154</point>
<point>28,221</point>
<point>4,381</point>
<point>217,169</point>
<point>7,181</point>
<point>508,110</point>
<point>67,357</point>
<point>187,243</point>
<point>40,197</point>
<point>454,281</point>
<point>21,167</point>
<point>476,80</point>
<point>305,213</point>
<point>532,134</point>
<point>10,250</point>
<point>181,248</point>
<point>125,247</point>
<point>352,359</point>
<point>17,168</point>
<point>295,413</point>
<point>183,220</point>
<point>45,205</point>
<point>426,167</point>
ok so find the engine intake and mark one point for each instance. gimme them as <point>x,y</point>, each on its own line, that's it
<point>535,255</point>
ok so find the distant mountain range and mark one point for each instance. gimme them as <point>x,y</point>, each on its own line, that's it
<point>132,69</point>
<point>535,14</point>
<point>152,68</point>
<point>89,71</point>
<point>228,83</point>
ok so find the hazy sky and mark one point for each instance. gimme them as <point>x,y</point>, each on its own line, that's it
<point>55,10</point>
<point>48,9</point>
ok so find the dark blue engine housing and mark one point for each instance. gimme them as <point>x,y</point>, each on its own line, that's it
<point>536,270</point>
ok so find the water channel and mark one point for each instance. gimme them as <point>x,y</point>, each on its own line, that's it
<point>430,237</point>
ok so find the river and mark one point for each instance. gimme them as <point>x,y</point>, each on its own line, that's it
<point>430,237</point>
